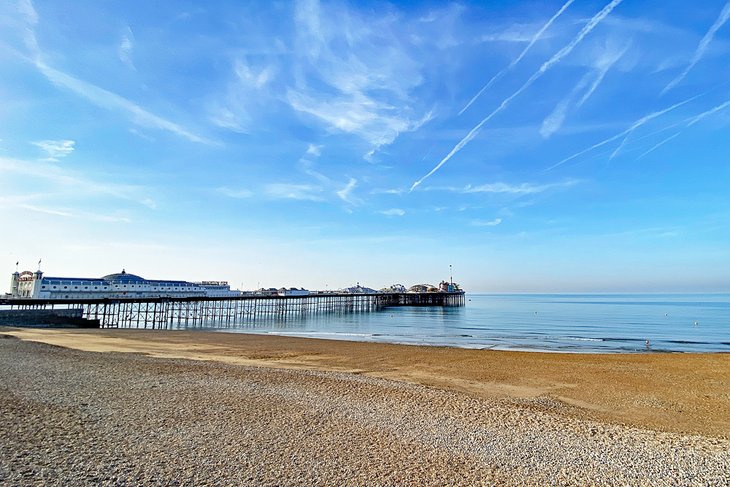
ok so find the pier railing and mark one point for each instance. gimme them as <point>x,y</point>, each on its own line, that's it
<point>192,312</point>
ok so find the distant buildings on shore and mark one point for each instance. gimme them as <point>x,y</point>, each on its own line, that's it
<point>272,291</point>
<point>34,285</point>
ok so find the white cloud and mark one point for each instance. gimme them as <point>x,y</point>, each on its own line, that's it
<point>250,77</point>
<point>29,17</point>
<point>486,223</point>
<point>314,150</point>
<point>111,101</point>
<point>516,32</point>
<point>66,182</point>
<point>244,95</point>
<point>96,95</point>
<point>345,194</point>
<point>393,212</point>
<point>554,121</point>
<point>82,215</point>
<point>225,117</point>
<point>602,63</point>
<point>234,193</point>
<point>304,192</point>
<point>25,7</point>
<point>375,122</point>
<point>398,191</point>
<point>347,79</point>
<point>307,168</point>
<point>56,149</point>
<point>507,188</point>
<point>126,46</point>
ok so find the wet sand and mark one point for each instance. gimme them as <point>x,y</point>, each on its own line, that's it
<point>679,392</point>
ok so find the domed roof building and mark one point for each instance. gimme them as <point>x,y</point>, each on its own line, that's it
<point>123,277</point>
<point>117,285</point>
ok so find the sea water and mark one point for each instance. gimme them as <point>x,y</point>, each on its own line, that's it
<point>584,323</point>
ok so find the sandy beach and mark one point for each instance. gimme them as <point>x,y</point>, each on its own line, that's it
<point>184,408</point>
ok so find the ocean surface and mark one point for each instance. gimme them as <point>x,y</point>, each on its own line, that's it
<point>583,323</point>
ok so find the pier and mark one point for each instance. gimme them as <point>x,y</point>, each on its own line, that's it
<point>221,312</point>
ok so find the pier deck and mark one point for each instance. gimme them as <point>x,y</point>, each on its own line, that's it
<point>168,312</point>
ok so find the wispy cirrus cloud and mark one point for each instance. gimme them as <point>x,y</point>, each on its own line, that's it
<point>56,149</point>
<point>517,32</point>
<point>358,114</point>
<point>234,193</point>
<point>519,189</point>
<point>486,223</point>
<point>62,181</point>
<point>346,193</point>
<point>70,213</point>
<point>508,188</point>
<point>290,191</point>
<point>245,94</point>
<point>587,85</point>
<point>92,93</point>
<point>111,101</point>
<point>126,48</point>
<point>393,212</point>
<point>314,150</point>
<point>701,47</point>
<point>366,87</point>
<point>396,191</point>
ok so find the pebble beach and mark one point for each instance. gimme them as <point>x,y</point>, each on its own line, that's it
<point>73,416</point>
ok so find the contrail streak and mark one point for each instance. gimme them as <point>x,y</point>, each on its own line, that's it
<point>534,39</point>
<point>707,113</point>
<point>702,46</point>
<point>625,133</point>
<point>620,146</point>
<point>546,66</point>
<point>690,121</point>
<point>659,145</point>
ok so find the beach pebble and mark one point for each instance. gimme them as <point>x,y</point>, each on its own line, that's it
<point>79,418</point>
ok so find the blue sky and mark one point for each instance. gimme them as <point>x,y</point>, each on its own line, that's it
<point>534,146</point>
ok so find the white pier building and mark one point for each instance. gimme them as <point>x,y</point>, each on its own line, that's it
<point>35,285</point>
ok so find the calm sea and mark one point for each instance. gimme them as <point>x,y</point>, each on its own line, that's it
<point>583,323</point>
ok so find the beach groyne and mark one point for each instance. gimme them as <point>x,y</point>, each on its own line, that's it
<point>72,317</point>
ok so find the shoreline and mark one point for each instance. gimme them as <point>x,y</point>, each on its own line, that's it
<point>672,392</point>
<point>495,348</point>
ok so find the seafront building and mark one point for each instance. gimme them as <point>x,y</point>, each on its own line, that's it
<point>358,289</point>
<point>34,285</point>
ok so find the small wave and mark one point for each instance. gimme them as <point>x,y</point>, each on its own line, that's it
<point>319,333</point>
<point>689,342</point>
<point>607,339</point>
